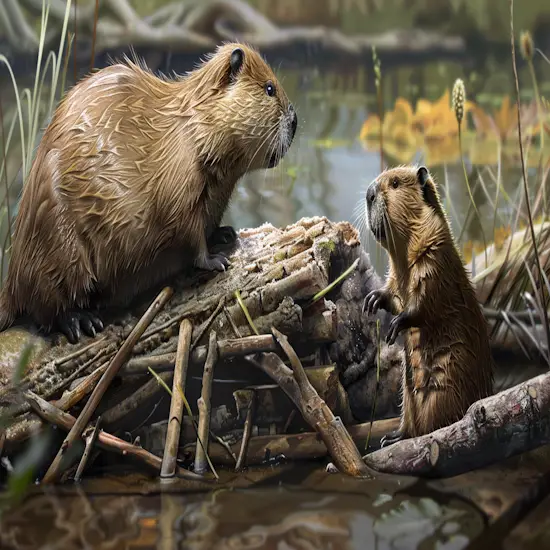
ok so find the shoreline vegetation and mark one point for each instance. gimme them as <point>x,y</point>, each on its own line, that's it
<point>287,315</point>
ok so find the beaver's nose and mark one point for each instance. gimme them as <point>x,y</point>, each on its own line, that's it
<point>294,119</point>
<point>371,192</point>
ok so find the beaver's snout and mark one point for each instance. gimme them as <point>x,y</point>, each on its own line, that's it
<point>375,214</point>
<point>294,121</point>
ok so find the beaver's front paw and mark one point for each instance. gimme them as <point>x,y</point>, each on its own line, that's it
<point>72,323</point>
<point>212,262</point>
<point>375,300</point>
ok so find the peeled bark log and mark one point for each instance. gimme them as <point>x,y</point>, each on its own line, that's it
<point>497,427</point>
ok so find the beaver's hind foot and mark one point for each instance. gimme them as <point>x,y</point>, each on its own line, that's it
<point>72,323</point>
<point>391,438</point>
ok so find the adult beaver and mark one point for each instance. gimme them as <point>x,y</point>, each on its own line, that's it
<point>131,180</point>
<point>448,362</point>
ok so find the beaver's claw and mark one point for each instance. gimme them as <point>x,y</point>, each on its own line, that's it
<point>74,322</point>
<point>212,262</point>
<point>390,438</point>
<point>375,300</point>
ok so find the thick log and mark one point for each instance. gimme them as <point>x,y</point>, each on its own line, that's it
<point>506,424</point>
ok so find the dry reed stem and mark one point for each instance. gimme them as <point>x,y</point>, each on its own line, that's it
<point>169,458</point>
<point>247,432</point>
<point>208,323</point>
<point>48,413</point>
<point>204,406</point>
<point>119,359</point>
<point>524,177</point>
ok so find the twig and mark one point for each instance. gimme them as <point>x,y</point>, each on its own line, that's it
<point>189,413</point>
<point>169,458</point>
<point>47,412</point>
<point>69,399</point>
<point>119,359</point>
<point>78,352</point>
<point>91,438</point>
<point>133,401</point>
<point>232,323</point>
<point>247,432</point>
<point>203,404</point>
<point>208,323</point>
<point>226,348</point>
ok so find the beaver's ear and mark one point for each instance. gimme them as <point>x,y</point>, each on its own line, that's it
<point>428,187</point>
<point>236,62</point>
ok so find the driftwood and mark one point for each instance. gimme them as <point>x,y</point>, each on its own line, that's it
<point>511,422</point>
<point>195,27</point>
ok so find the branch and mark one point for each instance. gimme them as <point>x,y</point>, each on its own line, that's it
<point>506,424</point>
<point>120,358</point>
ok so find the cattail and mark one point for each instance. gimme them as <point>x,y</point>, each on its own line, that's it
<point>526,45</point>
<point>459,98</point>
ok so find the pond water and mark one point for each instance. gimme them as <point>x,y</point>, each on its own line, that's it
<point>322,512</point>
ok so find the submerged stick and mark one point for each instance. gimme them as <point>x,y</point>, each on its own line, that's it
<point>170,455</point>
<point>247,432</point>
<point>47,412</point>
<point>91,438</point>
<point>203,404</point>
<point>118,360</point>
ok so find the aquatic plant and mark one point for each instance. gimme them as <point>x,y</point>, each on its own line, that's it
<point>33,109</point>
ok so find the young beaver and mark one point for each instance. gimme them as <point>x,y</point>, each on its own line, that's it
<point>131,180</point>
<point>448,362</point>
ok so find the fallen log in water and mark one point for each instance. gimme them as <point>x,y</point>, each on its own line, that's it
<point>506,424</point>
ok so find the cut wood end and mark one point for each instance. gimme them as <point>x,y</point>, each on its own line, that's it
<point>434,453</point>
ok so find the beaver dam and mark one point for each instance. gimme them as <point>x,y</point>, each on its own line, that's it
<point>282,375</point>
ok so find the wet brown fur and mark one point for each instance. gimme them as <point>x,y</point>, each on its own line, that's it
<point>448,362</point>
<point>132,175</point>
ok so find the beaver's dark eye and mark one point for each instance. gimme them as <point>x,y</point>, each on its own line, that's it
<point>395,183</point>
<point>270,89</point>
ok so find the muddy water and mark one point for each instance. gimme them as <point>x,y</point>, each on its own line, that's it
<point>321,512</point>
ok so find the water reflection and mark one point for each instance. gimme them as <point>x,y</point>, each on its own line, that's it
<point>270,518</point>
